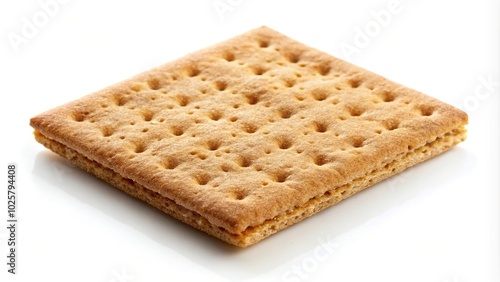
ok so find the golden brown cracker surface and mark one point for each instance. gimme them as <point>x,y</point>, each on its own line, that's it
<point>251,135</point>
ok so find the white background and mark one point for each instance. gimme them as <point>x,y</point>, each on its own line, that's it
<point>437,222</point>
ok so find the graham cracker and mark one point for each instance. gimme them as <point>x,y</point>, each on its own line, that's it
<point>249,136</point>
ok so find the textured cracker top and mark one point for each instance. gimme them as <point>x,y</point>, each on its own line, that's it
<point>249,128</point>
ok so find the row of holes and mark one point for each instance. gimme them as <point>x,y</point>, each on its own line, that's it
<point>323,69</point>
<point>318,126</point>
<point>172,163</point>
<point>284,113</point>
<point>278,177</point>
<point>253,99</point>
<point>319,159</point>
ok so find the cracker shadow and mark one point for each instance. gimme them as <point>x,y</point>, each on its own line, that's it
<point>237,264</point>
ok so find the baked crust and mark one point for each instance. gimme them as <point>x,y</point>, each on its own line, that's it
<point>248,131</point>
<point>253,234</point>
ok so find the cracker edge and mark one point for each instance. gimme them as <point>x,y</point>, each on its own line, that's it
<point>254,234</point>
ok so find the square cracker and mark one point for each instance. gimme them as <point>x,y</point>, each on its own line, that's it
<point>249,136</point>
